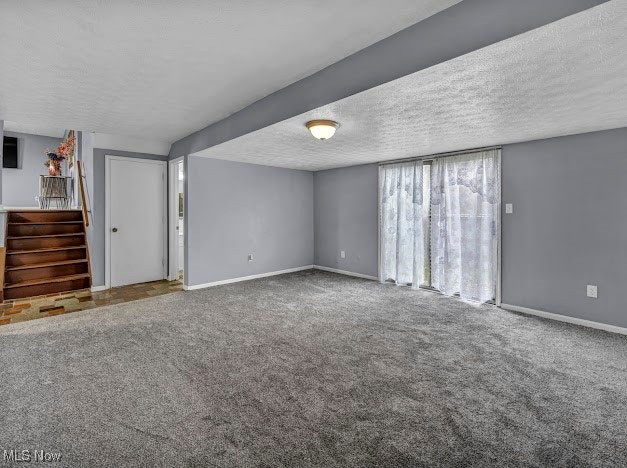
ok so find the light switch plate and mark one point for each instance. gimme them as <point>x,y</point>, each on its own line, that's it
<point>343,254</point>
<point>250,257</point>
<point>509,208</point>
<point>591,291</point>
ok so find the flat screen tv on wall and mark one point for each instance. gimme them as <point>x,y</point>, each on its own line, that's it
<point>9,152</point>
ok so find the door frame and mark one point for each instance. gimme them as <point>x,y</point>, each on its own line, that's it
<point>108,159</point>
<point>173,266</point>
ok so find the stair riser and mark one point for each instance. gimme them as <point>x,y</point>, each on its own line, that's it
<point>44,216</point>
<point>30,231</point>
<point>45,257</point>
<point>18,276</point>
<point>45,243</point>
<point>41,289</point>
<point>17,230</point>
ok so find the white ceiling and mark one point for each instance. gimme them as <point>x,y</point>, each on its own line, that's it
<point>101,140</point>
<point>163,69</point>
<point>564,78</point>
<point>55,132</point>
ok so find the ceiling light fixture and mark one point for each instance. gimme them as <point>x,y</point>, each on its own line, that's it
<point>322,129</point>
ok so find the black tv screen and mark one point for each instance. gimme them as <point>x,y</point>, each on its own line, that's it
<point>9,152</point>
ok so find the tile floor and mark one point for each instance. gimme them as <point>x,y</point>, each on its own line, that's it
<point>31,308</point>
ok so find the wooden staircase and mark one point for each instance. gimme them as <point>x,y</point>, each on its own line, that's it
<point>46,253</point>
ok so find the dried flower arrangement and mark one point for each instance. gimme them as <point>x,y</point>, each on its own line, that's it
<point>63,152</point>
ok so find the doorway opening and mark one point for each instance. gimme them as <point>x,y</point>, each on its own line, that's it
<point>177,219</point>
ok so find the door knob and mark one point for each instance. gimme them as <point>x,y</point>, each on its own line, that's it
<point>114,229</point>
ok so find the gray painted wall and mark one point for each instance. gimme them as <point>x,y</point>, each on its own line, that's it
<point>21,186</point>
<point>568,228</point>
<point>460,29</point>
<point>569,225</point>
<point>1,213</point>
<point>1,148</point>
<point>346,218</point>
<point>97,194</point>
<point>234,209</point>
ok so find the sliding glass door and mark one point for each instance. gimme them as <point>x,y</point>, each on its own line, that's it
<point>401,223</point>
<point>439,224</point>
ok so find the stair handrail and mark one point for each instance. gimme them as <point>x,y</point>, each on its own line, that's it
<point>81,187</point>
<point>3,255</point>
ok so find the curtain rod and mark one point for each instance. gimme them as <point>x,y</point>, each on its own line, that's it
<point>440,155</point>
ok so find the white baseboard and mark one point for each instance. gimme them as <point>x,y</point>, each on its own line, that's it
<point>344,272</point>
<point>567,319</point>
<point>245,278</point>
<point>98,288</point>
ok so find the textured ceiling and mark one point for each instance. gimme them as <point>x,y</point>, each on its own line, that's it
<point>33,129</point>
<point>162,69</point>
<point>564,78</point>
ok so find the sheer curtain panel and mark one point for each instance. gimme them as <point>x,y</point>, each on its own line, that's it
<point>402,238</point>
<point>465,204</point>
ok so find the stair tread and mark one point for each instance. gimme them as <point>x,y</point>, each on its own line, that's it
<point>48,249</point>
<point>47,264</point>
<point>39,210</point>
<point>46,235</point>
<point>57,279</point>
<point>35,223</point>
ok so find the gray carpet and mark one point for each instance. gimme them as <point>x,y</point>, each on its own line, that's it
<point>312,369</point>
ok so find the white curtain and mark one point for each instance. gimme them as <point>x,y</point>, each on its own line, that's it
<point>402,240</point>
<point>464,220</point>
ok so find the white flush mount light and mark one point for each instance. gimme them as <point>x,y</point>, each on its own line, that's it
<point>322,129</point>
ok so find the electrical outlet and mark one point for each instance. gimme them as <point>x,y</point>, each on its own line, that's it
<point>250,257</point>
<point>509,208</point>
<point>343,254</point>
<point>591,291</point>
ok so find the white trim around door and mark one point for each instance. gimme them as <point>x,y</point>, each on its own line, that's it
<point>108,159</point>
<point>173,212</point>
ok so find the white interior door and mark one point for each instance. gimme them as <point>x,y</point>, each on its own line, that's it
<point>136,220</point>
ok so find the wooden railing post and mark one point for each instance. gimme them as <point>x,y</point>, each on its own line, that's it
<point>79,164</point>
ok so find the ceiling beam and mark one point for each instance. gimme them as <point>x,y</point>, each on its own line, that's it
<point>458,30</point>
